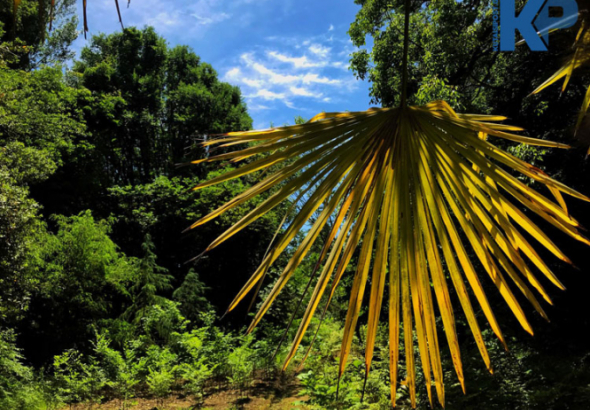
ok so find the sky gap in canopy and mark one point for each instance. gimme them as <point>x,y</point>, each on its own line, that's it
<point>289,57</point>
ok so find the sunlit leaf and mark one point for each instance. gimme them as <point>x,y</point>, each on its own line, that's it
<point>415,189</point>
<point>579,58</point>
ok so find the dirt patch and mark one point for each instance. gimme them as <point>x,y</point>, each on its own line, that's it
<point>264,395</point>
<point>279,394</point>
<point>170,403</point>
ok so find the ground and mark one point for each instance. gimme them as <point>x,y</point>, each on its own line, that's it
<point>278,394</point>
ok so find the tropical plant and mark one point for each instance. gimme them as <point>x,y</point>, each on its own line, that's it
<point>195,375</point>
<point>151,279</point>
<point>397,181</point>
<point>18,387</point>
<point>190,297</point>
<point>159,383</point>
<point>76,380</point>
<point>241,364</point>
<point>121,368</point>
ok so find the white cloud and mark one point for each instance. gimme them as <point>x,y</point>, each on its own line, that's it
<point>178,20</point>
<point>303,92</point>
<point>270,75</point>
<point>319,50</point>
<point>164,18</point>
<point>278,72</point>
<point>211,19</point>
<point>315,78</point>
<point>273,77</point>
<point>183,18</point>
<point>298,62</point>
<point>258,107</point>
<point>331,27</point>
<point>340,64</point>
<point>268,95</point>
<point>253,83</point>
<point>233,75</point>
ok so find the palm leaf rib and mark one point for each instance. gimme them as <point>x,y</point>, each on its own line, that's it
<point>415,189</point>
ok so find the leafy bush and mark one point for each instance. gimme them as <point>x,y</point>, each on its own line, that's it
<point>160,382</point>
<point>163,323</point>
<point>18,388</point>
<point>195,375</point>
<point>76,380</point>
<point>122,368</point>
<point>241,364</point>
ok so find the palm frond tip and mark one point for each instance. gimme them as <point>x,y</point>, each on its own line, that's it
<point>580,57</point>
<point>403,184</point>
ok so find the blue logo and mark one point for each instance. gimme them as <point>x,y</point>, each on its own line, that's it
<point>534,22</point>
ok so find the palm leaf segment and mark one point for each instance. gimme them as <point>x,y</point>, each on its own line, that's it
<point>402,184</point>
<point>580,57</point>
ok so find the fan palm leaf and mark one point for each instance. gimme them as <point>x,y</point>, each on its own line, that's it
<point>414,189</point>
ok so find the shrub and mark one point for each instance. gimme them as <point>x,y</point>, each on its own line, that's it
<point>18,389</point>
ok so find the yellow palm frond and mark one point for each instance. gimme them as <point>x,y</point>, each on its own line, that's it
<point>415,188</point>
<point>580,57</point>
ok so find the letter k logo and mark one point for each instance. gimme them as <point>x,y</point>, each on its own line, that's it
<point>509,23</point>
<point>534,18</point>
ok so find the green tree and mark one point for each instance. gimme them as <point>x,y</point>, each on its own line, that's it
<point>150,280</point>
<point>82,278</point>
<point>40,125</point>
<point>152,104</point>
<point>18,387</point>
<point>27,34</point>
<point>165,207</point>
<point>40,111</point>
<point>20,229</point>
<point>191,298</point>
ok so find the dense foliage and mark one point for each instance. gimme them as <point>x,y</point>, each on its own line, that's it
<point>97,301</point>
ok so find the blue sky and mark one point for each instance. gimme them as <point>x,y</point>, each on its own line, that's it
<point>288,57</point>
